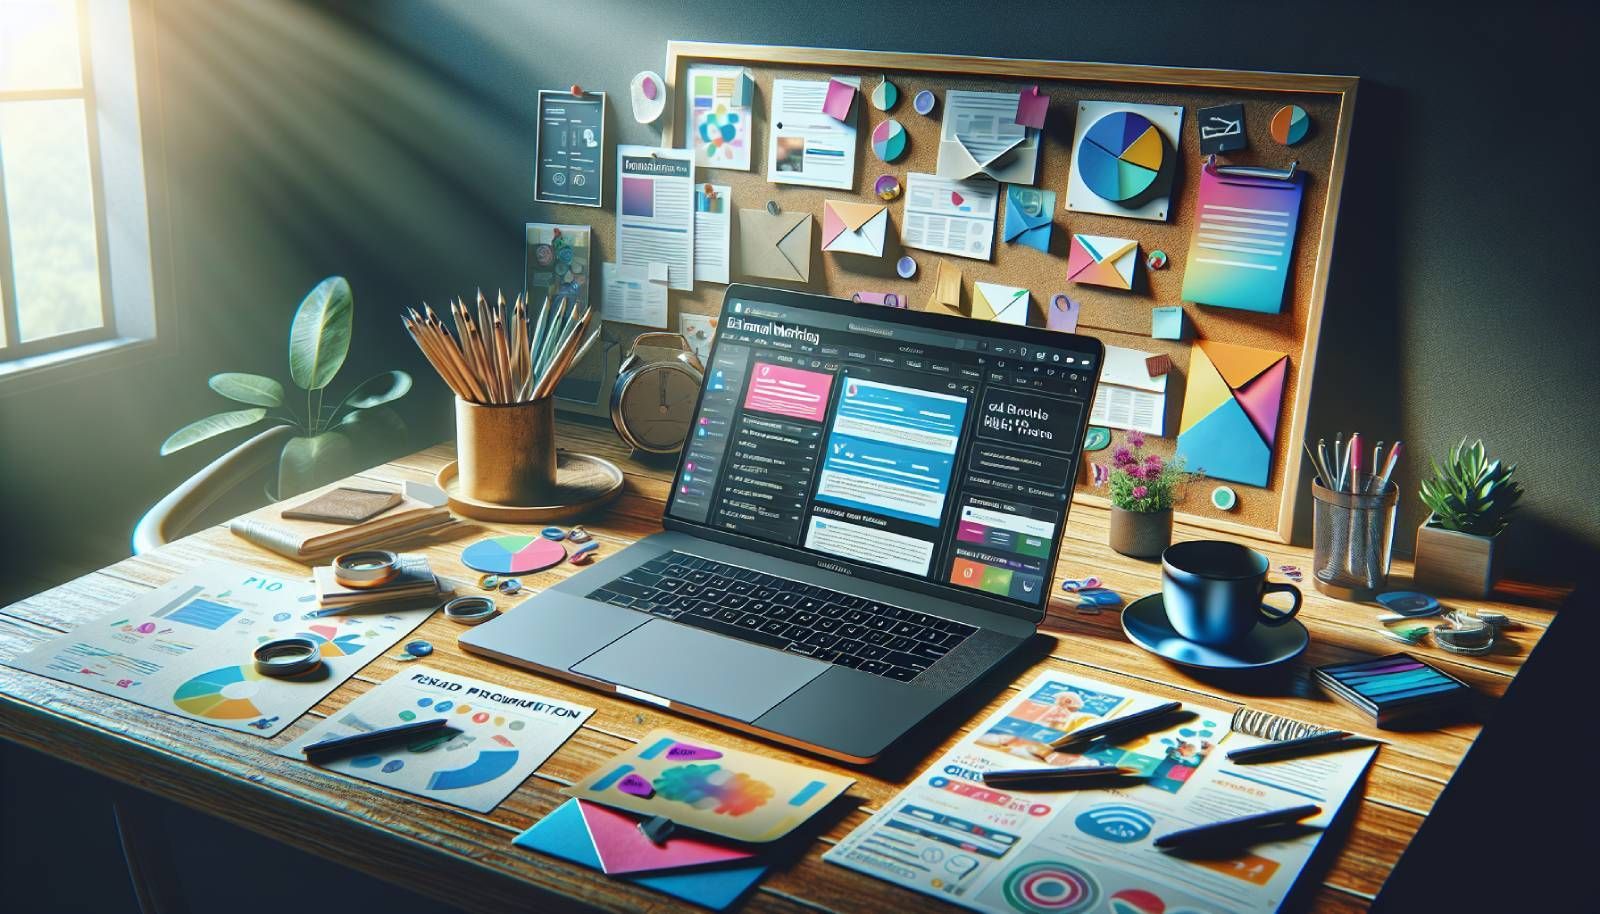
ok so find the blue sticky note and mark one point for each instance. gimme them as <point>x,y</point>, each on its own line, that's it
<point>1167,323</point>
<point>562,835</point>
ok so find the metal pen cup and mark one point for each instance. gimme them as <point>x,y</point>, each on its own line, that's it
<point>1352,540</point>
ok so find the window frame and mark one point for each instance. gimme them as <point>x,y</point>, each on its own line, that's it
<point>12,346</point>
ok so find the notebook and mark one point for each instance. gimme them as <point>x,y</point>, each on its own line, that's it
<point>311,541</point>
<point>1394,688</point>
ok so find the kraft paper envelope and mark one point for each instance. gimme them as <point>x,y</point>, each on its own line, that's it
<point>775,247</point>
<point>1231,409</point>
<point>994,302</point>
<point>854,228</point>
<point>947,289</point>
<point>1101,261</point>
<point>1028,216</point>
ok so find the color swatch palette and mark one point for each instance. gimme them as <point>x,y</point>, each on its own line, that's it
<point>1393,688</point>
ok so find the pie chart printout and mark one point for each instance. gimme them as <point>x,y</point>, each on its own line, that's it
<point>1121,156</point>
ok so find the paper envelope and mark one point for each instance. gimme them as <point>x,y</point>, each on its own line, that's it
<point>1016,164</point>
<point>854,228</point>
<point>994,302</point>
<point>775,247</point>
<point>1028,216</point>
<point>1230,411</point>
<point>947,289</point>
<point>1101,261</point>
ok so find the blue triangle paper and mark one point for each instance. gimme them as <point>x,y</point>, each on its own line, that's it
<point>1226,445</point>
<point>563,835</point>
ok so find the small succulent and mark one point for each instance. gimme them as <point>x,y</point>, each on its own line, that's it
<point>1470,494</point>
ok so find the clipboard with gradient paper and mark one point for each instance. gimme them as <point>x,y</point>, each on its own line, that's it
<point>1243,242</point>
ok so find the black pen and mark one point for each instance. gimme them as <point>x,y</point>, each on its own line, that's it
<point>1288,748</point>
<point>1130,722</point>
<point>1013,776</point>
<point>1235,831</point>
<point>339,746</point>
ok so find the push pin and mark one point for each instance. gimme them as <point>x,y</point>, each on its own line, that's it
<point>772,207</point>
<point>577,90</point>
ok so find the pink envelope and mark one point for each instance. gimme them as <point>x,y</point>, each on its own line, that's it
<point>624,849</point>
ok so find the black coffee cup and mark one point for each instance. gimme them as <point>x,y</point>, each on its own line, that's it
<point>1213,591</point>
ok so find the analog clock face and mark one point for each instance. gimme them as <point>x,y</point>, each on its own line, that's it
<point>659,405</point>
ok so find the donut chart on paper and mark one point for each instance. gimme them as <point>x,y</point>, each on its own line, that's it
<point>221,694</point>
<point>1049,887</point>
<point>1121,156</point>
<point>513,554</point>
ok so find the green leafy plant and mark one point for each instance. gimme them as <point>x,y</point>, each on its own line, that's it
<point>1141,481</point>
<point>1469,493</point>
<point>329,436</point>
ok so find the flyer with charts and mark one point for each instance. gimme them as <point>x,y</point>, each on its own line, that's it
<point>725,792</point>
<point>1086,851</point>
<point>495,739</point>
<point>187,648</point>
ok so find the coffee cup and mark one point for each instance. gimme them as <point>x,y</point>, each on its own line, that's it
<point>1214,591</point>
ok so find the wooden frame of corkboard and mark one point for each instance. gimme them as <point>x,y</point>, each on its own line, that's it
<point>1119,318</point>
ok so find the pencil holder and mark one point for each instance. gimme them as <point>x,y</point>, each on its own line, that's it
<point>506,453</point>
<point>1352,540</point>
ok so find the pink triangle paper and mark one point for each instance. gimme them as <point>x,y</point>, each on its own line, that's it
<point>1262,398</point>
<point>624,849</point>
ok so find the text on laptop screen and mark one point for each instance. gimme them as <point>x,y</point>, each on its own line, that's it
<point>947,458</point>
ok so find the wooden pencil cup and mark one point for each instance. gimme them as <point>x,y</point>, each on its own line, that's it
<point>506,453</point>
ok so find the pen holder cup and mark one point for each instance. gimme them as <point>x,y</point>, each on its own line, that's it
<point>1352,540</point>
<point>506,453</point>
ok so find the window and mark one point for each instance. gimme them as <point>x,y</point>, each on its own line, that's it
<point>54,288</point>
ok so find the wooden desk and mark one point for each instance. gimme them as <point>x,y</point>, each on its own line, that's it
<point>467,858</point>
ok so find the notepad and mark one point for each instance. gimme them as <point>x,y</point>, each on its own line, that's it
<point>1394,688</point>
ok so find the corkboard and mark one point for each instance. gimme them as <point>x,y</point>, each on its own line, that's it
<point>1118,318</point>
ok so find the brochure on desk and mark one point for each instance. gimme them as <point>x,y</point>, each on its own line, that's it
<point>187,648</point>
<point>1090,851</point>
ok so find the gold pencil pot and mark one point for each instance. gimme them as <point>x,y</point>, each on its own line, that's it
<point>506,453</point>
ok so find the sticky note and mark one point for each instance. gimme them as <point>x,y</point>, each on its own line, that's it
<point>836,104</point>
<point>1167,323</point>
<point>1032,105</point>
<point>1158,365</point>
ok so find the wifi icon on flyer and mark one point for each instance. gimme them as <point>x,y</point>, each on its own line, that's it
<point>1116,822</point>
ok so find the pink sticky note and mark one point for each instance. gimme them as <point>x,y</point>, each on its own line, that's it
<point>839,99</point>
<point>683,752</point>
<point>623,849</point>
<point>635,785</point>
<point>1031,108</point>
<point>1063,314</point>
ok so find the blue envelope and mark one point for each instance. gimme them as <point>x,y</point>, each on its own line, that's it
<point>563,835</point>
<point>1029,214</point>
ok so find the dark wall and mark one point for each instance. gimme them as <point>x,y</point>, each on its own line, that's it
<point>391,142</point>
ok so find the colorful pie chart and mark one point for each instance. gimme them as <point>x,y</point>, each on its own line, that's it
<point>884,95</point>
<point>1121,156</point>
<point>513,554</point>
<point>1290,125</point>
<point>221,694</point>
<point>889,140</point>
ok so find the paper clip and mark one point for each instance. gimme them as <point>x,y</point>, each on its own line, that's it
<point>1252,171</point>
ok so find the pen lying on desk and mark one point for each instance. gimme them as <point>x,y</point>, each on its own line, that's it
<point>340,746</point>
<point>1126,725</point>
<point>1289,748</point>
<point>1054,778</point>
<point>1233,832</point>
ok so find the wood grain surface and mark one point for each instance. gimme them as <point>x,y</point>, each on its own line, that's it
<point>467,858</point>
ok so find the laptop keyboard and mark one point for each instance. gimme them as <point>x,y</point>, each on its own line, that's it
<point>788,615</point>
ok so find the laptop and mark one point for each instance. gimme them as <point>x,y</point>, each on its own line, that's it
<point>863,522</point>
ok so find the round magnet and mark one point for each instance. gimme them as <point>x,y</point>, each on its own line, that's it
<point>887,187</point>
<point>772,207</point>
<point>906,267</point>
<point>923,103</point>
<point>579,535</point>
<point>1290,125</point>
<point>1224,498</point>
<point>488,581</point>
<point>889,140</point>
<point>553,533</point>
<point>419,648</point>
<point>648,95</point>
<point>1157,260</point>
<point>884,95</point>
<point>1098,438</point>
<point>510,586</point>
<point>1409,603</point>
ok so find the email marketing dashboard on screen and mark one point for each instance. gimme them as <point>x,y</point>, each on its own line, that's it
<point>902,450</point>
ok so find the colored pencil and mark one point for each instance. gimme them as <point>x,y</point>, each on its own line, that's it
<point>502,353</point>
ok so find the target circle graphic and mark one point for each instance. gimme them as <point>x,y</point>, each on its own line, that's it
<point>1050,887</point>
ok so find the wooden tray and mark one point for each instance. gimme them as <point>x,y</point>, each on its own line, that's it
<point>583,483</point>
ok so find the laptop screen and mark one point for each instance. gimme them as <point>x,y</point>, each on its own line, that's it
<point>925,451</point>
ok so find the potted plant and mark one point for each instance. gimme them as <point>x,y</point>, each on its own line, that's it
<point>1143,488</point>
<point>1471,499</point>
<point>329,437</point>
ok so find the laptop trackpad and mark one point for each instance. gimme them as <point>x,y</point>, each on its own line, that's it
<point>717,674</point>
